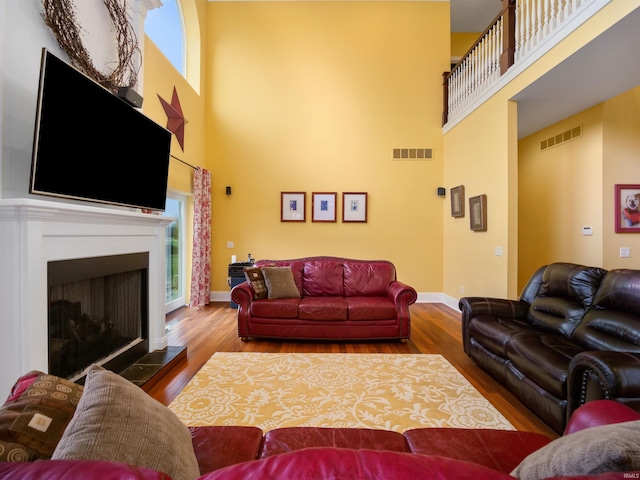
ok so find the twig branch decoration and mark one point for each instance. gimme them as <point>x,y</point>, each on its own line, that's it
<point>60,16</point>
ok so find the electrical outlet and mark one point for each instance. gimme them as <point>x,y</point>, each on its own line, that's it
<point>230,245</point>
<point>625,252</point>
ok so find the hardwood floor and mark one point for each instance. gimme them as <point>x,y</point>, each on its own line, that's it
<point>435,328</point>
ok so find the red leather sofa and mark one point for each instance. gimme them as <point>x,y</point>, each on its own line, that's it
<point>572,336</point>
<point>339,299</point>
<point>226,453</point>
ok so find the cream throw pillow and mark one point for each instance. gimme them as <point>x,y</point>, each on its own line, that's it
<point>280,282</point>
<point>117,421</point>
<point>607,448</point>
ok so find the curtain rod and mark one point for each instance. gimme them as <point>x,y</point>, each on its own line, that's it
<point>187,164</point>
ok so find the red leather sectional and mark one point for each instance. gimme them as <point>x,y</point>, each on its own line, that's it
<point>226,453</point>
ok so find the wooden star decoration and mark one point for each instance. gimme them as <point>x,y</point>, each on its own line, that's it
<point>175,117</point>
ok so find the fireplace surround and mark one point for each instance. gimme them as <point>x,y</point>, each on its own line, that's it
<point>34,233</point>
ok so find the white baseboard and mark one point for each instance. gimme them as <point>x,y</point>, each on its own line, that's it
<point>424,297</point>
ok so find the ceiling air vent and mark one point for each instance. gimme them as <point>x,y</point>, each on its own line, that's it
<point>563,137</point>
<point>412,153</point>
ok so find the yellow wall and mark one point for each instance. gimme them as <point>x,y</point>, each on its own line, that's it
<point>560,192</point>
<point>481,153</point>
<point>621,133</point>
<point>572,185</point>
<point>160,79</point>
<point>314,97</point>
<point>461,42</point>
<point>483,169</point>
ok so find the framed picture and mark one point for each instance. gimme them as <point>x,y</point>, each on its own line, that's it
<point>324,206</point>
<point>457,201</point>
<point>478,213</point>
<point>354,207</point>
<point>627,202</point>
<point>292,206</point>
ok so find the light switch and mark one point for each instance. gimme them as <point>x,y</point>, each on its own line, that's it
<point>497,251</point>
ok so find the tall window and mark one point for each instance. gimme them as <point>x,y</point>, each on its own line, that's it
<point>175,252</point>
<point>165,27</point>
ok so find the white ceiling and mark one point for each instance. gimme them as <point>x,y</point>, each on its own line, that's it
<point>473,15</point>
<point>604,68</point>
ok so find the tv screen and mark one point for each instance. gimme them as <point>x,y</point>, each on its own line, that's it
<point>91,145</point>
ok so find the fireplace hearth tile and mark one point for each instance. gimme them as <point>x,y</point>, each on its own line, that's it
<point>150,368</point>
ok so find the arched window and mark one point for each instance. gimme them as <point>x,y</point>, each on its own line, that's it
<point>165,27</point>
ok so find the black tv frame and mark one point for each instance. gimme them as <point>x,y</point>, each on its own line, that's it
<point>91,145</point>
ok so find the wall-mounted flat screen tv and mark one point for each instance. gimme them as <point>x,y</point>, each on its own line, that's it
<point>91,145</point>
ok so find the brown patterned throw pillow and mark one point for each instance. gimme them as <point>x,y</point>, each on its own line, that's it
<point>117,421</point>
<point>256,280</point>
<point>280,282</point>
<point>35,415</point>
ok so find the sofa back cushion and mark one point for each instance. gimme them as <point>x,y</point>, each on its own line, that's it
<point>323,277</point>
<point>335,276</point>
<point>566,292</point>
<point>532,288</point>
<point>367,279</point>
<point>613,322</point>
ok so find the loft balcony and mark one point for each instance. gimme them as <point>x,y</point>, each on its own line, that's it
<point>522,33</point>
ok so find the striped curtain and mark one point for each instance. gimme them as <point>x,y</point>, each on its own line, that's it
<point>201,258</point>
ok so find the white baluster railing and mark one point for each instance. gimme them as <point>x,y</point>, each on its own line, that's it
<point>480,68</point>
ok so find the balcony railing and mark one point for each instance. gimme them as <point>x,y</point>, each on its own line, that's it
<point>521,27</point>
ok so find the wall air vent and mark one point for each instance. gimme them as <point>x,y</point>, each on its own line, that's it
<point>563,137</point>
<point>412,153</point>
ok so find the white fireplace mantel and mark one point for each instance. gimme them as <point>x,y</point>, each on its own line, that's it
<point>35,232</point>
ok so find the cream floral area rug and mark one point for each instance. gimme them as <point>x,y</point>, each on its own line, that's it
<point>394,392</point>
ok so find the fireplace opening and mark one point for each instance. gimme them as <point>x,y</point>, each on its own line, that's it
<point>98,313</point>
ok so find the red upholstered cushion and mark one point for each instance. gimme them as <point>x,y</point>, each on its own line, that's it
<point>322,308</point>
<point>283,440</point>
<point>22,384</point>
<point>323,277</point>
<point>363,279</point>
<point>600,412</point>
<point>278,308</point>
<point>500,450</point>
<point>371,308</point>
<point>80,469</point>
<point>338,463</point>
<point>219,446</point>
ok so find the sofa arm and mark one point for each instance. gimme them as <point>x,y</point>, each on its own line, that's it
<point>242,295</point>
<point>600,374</point>
<point>471,307</point>
<point>598,413</point>
<point>401,293</point>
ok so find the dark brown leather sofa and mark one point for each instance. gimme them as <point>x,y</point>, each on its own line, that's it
<point>572,336</point>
